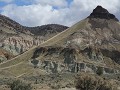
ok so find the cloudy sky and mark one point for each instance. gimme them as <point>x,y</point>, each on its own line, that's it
<point>64,12</point>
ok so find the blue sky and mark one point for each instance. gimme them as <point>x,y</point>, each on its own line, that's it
<point>65,12</point>
<point>23,2</point>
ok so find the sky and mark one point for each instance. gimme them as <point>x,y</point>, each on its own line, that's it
<point>65,12</point>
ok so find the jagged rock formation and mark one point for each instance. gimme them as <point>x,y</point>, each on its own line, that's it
<point>17,39</point>
<point>100,12</point>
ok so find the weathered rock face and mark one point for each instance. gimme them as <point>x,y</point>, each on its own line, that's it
<point>61,60</point>
<point>18,44</point>
<point>100,12</point>
<point>57,67</point>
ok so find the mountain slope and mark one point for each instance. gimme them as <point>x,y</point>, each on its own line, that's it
<point>16,39</point>
<point>86,46</point>
<point>39,30</point>
<point>32,50</point>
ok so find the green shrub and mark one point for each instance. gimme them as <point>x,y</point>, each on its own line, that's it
<point>35,63</point>
<point>99,71</point>
<point>19,85</point>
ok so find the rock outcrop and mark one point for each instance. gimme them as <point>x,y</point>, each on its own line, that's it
<point>57,67</point>
<point>100,12</point>
<point>18,45</point>
<point>61,60</point>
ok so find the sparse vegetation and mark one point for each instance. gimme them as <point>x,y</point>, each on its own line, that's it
<point>35,63</point>
<point>99,71</point>
<point>91,82</point>
<point>19,85</point>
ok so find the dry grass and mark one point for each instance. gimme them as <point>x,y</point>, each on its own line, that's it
<point>118,22</point>
<point>65,34</point>
<point>19,69</point>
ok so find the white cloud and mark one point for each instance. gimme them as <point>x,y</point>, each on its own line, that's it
<point>6,1</point>
<point>42,12</point>
<point>88,5</point>
<point>58,3</point>
<point>33,15</point>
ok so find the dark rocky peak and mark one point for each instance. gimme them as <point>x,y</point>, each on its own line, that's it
<point>102,13</point>
<point>100,9</point>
